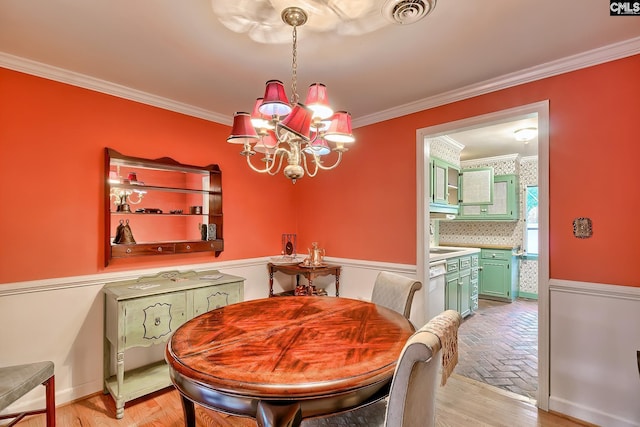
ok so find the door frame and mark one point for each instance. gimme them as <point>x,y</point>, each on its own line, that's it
<point>541,110</point>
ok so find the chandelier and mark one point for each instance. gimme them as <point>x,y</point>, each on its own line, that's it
<point>279,129</point>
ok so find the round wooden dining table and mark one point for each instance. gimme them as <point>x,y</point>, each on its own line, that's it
<point>283,359</point>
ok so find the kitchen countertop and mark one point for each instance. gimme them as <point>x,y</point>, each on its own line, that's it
<point>459,245</point>
<point>456,252</point>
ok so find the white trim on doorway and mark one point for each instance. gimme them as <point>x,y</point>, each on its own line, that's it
<point>541,109</point>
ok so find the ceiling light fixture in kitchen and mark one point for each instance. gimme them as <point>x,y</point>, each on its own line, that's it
<point>525,134</point>
<point>281,129</point>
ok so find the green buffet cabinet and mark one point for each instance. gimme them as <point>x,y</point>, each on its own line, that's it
<point>461,284</point>
<point>498,274</point>
<point>145,312</point>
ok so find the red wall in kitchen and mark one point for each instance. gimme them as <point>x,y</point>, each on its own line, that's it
<point>366,209</point>
<point>53,135</point>
<point>52,140</point>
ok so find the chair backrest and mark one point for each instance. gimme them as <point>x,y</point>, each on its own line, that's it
<point>395,292</point>
<point>412,398</point>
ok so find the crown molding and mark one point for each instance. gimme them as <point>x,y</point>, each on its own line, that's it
<point>571,63</point>
<point>50,72</point>
<point>503,158</point>
<point>594,57</point>
<point>454,143</point>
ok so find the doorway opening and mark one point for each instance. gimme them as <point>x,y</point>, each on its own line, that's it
<point>425,137</point>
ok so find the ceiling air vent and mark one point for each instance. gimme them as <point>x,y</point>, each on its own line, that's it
<point>405,12</point>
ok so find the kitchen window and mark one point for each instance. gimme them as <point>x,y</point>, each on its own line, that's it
<point>531,219</point>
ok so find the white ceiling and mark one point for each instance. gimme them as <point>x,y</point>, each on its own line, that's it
<point>180,52</point>
<point>496,139</point>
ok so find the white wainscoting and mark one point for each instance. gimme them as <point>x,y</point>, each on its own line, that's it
<point>595,333</point>
<point>62,319</point>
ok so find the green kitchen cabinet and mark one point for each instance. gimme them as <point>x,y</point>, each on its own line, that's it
<point>474,287</point>
<point>461,293</point>
<point>476,186</point>
<point>444,187</point>
<point>498,275</point>
<point>505,204</point>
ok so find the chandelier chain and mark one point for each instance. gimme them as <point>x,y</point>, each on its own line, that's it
<point>294,67</point>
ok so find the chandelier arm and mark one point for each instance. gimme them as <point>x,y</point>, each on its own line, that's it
<point>326,168</point>
<point>306,166</point>
<point>280,152</point>
<point>268,169</point>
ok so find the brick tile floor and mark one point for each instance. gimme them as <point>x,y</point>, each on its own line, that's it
<point>498,345</point>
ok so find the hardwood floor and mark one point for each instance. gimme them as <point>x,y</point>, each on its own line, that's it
<point>462,402</point>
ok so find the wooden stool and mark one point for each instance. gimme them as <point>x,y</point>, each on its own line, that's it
<point>16,381</point>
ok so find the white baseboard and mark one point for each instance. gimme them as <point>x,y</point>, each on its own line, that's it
<point>589,414</point>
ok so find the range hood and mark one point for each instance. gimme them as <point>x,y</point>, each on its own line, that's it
<point>440,215</point>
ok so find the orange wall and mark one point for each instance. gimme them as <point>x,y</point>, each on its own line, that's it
<point>53,136</point>
<point>52,140</point>
<point>367,208</point>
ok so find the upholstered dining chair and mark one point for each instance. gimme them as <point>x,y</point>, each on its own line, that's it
<point>412,398</point>
<point>394,291</point>
<point>16,381</point>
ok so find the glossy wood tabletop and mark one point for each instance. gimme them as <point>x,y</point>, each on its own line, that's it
<point>314,350</point>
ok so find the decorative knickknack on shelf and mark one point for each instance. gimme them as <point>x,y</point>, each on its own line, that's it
<point>207,231</point>
<point>124,235</point>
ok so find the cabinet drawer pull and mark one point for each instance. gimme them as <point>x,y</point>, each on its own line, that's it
<point>159,248</point>
<point>157,322</point>
<point>188,247</point>
<point>128,250</point>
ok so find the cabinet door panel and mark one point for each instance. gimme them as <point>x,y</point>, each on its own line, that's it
<point>439,183</point>
<point>464,293</point>
<point>500,204</point>
<point>495,276</point>
<point>212,297</point>
<point>451,291</point>
<point>151,320</point>
<point>476,186</point>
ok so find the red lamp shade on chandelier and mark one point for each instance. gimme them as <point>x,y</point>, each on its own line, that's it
<point>297,122</point>
<point>275,102</point>
<point>242,131</point>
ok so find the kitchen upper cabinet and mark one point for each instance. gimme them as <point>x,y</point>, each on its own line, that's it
<point>504,207</point>
<point>476,186</point>
<point>444,187</point>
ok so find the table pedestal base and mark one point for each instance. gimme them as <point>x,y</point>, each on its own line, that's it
<point>269,415</point>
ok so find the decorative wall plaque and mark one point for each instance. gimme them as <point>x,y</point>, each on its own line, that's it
<point>582,228</point>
